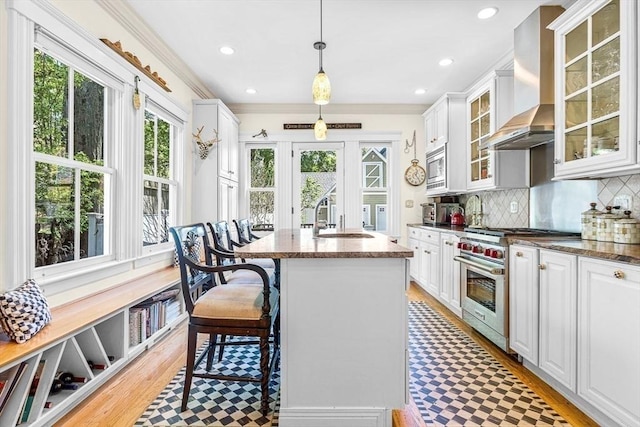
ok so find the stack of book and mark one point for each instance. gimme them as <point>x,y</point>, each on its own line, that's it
<point>151,315</point>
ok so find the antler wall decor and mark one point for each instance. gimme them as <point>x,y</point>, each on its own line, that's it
<point>204,146</point>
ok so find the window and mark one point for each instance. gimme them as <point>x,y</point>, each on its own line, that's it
<point>72,177</point>
<point>261,189</point>
<point>374,186</point>
<point>159,189</point>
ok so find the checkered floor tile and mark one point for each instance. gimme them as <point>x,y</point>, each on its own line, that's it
<point>217,403</point>
<point>454,382</point>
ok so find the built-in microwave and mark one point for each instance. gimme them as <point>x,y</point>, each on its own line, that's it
<point>436,169</point>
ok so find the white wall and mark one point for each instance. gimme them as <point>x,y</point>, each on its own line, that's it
<point>252,123</point>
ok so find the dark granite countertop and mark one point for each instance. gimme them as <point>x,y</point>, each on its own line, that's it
<point>591,248</point>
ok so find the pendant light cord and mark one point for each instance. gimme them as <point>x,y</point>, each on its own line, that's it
<point>322,44</point>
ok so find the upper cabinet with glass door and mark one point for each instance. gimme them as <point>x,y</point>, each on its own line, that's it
<point>595,51</point>
<point>489,106</point>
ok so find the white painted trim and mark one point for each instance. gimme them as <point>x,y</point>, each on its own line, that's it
<point>122,12</point>
<point>335,417</point>
<point>332,136</point>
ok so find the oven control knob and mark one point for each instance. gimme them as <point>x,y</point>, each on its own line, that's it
<point>460,245</point>
<point>497,254</point>
<point>477,249</point>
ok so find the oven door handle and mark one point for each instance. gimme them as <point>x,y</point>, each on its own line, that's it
<point>491,270</point>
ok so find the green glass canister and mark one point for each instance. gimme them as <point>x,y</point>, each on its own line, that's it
<point>589,223</point>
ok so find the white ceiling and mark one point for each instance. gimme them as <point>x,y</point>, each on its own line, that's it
<point>378,51</point>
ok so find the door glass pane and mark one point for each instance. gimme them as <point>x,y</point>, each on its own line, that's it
<point>576,42</point>
<point>475,171</point>
<point>605,98</point>
<point>484,168</point>
<point>606,22</point>
<point>484,103</point>
<point>575,144</point>
<point>485,125</point>
<point>317,193</point>
<point>474,150</point>
<point>475,130</point>
<point>576,110</point>
<point>261,209</point>
<point>606,60</point>
<point>482,290</point>
<point>576,76</point>
<point>475,109</point>
<point>605,136</point>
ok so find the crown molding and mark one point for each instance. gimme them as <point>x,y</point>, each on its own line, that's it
<point>406,109</point>
<point>122,12</point>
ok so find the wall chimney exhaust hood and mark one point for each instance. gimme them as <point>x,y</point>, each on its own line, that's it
<point>533,85</point>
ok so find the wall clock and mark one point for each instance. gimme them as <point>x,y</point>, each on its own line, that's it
<point>415,174</point>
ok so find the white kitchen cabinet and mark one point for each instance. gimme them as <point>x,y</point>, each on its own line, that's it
<point>523,301</point>
<point>489,106</point>
<point>430,268</point>
<point>558,316</point>
<point>436,120</point>
<point>445,130</point>
<point>596,89</point>
<point>609,338</point>
<point>220,168</point>
<point>414,263</point>
<point>450,275</point>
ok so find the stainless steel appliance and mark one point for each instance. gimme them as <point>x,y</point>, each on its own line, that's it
<point>436,169</point>
<point>484,276</point>
<point>438,213</point>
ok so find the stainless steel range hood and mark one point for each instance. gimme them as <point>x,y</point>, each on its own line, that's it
<point>533,85</point>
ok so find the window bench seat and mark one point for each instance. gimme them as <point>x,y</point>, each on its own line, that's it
<point>93,338</point>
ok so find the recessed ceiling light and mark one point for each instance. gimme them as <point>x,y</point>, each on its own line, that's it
<point>446,61</point>
<point>420,91</point>
<point>251,91</point>
<point>227,50</point>
<point>487,12</point>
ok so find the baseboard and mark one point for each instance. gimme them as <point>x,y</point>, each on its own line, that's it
<point>335,417</point>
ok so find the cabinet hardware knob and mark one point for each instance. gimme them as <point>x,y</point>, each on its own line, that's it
<point>556,161</point>
<point>518,253</point>
<point>542,267</point>
<point>618,274</point>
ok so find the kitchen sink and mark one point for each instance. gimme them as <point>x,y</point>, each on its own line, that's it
<point>346,235</point>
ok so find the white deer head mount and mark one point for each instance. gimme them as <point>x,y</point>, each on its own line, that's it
<point>204,146</point>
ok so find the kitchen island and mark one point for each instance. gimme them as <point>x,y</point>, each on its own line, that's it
<point>344,355</point>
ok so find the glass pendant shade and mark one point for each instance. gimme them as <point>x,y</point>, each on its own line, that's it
<point>320,129</point>
<point>321,88</point>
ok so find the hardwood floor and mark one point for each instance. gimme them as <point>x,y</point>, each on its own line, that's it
<point>122,399</point>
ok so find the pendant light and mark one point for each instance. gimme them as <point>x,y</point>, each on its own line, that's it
<point>321,88</point>
<point>320,128</point>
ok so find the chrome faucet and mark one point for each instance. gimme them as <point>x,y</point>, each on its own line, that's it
<point>317,224</point>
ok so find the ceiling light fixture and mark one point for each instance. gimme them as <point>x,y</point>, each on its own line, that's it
<point>251,91</point>
<point>320,128</point>
<point>227,50</point>
<point>420,91</point>
<point>321,88</point>
<point>445,62</point>
<point>487,12</point>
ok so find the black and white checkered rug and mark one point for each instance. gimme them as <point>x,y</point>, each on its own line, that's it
<point>454,382</point>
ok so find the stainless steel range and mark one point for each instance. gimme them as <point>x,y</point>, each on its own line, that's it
<point>484,276</point>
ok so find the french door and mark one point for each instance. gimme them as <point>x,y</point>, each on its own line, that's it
<point>318,183</point>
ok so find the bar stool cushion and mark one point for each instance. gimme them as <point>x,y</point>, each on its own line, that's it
<point>234,302</point>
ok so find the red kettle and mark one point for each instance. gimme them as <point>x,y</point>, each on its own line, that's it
<point>457,217</point>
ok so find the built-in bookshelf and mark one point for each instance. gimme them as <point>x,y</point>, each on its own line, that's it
<point>87,342</point>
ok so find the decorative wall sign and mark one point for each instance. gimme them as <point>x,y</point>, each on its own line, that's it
<point>297,126</point>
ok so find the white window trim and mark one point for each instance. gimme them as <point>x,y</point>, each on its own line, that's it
<point>19,264</point>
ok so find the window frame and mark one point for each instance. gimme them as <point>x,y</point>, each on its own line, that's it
<point>30,22</point>
<point>246,187</point>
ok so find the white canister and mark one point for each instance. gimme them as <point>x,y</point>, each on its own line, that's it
<point>627,230</point>
<point>605,225</point>
<point>589,223</point>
